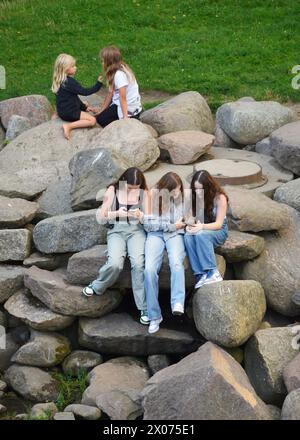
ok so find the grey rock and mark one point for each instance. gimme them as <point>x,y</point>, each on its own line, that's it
<point>3,409</point>
<point>29,309</point>
<point>249,122</point>
<point>11,279</point>
<point>285,144</point>
<point>187,111</point>
<point>223,140</point>
<point>289,193</point>
<point>275,412</point>
<point>69,233</point>
<point>80,360</point>
<point>291,406</point>
<point>3,386</point>
<point>17,125</point>
<point>32,383</point>
<point>120,405</point>
<point>56,199</point>
<point>241,246</point>
<point>47,262</point>
<point>158,362</point>
<point>15,244</point>
<point>85,412</point>
<point>60,297</point>
<point>11,346</point>
<point>267,353</point>
<point>43,350</point>
<point>36,108</point>
<point>278,266</point>
<point>92,171</point>
<point>264,147</point>
<point>106,336</point>
<point>15,213</point>
<point>229,312</point>
<point>3,319</point>
<point>126,375</point>
<point>291,374</point>
<point>206,385</point>
<point>64,416</point>
<point>251,211</point>
<point>41,410</point>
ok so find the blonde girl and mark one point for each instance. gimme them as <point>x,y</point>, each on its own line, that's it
<point>123,99</point>
<point>69,107</point>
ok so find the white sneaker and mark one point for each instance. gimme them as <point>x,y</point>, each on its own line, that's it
<point>213,277</point>
<point>178,309</point>
<point>201,281</point>
<point>154,325</point>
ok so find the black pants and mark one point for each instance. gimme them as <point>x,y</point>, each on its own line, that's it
<point>110,114</point>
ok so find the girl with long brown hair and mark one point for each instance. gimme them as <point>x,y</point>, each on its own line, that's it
<point>209,206</point>
<point>165,228</point>
<point>123,99</point>
<point>122,211</point>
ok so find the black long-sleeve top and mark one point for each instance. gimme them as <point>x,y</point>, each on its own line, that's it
<point>68,104</point>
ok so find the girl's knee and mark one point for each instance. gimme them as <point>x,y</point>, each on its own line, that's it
<point>93,121</point>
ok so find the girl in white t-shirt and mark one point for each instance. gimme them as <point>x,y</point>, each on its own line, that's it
<point>123,99</point>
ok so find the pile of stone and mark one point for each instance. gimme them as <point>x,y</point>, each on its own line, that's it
<point>242,331</point>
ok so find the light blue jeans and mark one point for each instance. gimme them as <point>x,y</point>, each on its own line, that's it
<point>154,252</point>
<point>122,239</point>
<point>200,248</point>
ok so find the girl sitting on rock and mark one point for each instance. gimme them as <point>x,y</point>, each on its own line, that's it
<point>69,107</point>
<point>123,99</point>
<point>122,210</point>
<point>165,230</point>
<point>209,207</point>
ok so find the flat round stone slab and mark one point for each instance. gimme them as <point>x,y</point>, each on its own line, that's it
<point>233,172</point>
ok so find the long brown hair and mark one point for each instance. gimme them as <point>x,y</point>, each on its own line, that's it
<point>112,61</point>
<point>133,176</point>
<point>211,189</point>
<point>168,181</point>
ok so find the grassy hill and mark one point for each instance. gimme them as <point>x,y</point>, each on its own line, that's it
<point>224,49</point>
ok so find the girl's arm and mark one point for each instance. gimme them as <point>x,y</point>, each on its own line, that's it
<point>221,213</point>
<point>123,102</point>
<point>106,102</point>
<point>73,86</point>
<point>102,212</point>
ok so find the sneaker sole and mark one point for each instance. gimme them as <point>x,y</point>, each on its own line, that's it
<point>178,313</point>
<point>212,281</point>
<point>144,322</point>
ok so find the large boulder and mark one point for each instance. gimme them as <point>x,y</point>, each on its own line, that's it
<point>80,360</point>
<point>289,193</point>
<point>187,111</point>
<point>267,353</point>
<point>56,199</point>
<point>15,213</point>
<point>278,266</point>
<point>92,171</point>
<point>32,383</point>
<point>47,262</point>
<point>120,405</point>
<point>59,296</point>
<point>83,268</point>
<point>15,244</point>
<point>106,336</point>
<point>130,141</point>
<point>291,406</point>
<point>250,211</point>
<point>24,306</point>
<point>206,385</point>
<point>38,157</point>
<point>17,125</point>
<point>285,144</point>
<point>11,279</point>
<point>249,122</point>
<point>241,246</point>
<point>69,233</point>
<point>186,146</point>
<point>36,108</point>
<point>291,374</point>
<point>43,350</point>
<point>124,374</point>
<point>229,312</point>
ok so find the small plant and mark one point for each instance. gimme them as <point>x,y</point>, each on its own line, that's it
<point>46,416</point>
<point>70,388</point>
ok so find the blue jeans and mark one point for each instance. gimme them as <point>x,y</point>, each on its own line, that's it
<point>200,248</point>
<point>154,252</point>
<point>121,239</point>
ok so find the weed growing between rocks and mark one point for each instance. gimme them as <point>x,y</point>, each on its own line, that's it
<point>70,388</point>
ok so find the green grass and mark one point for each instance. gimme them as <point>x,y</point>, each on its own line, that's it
<point>70,388</point>
<point>224,49</point>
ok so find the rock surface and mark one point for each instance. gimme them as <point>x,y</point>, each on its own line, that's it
<point>36,108</point>
<point>291,374</point>
<point>17,125</point>
<point>85,412</point>
<point>56,199</point>
<point>81,360</point>
<point>15,213</point>
<point>15,244</point>
<point>11,280</point>
<point>291,406</point>
<point>241,246</point>
<point>285,144</point>
<point>289,193</point>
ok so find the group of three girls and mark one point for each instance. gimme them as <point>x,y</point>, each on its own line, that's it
<point>143,226</point>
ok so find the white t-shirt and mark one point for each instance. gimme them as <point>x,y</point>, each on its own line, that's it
<point>132,93</point>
